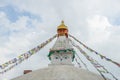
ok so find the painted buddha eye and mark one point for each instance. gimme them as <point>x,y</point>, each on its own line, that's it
<point>56,57</point>
<point>66,57</point>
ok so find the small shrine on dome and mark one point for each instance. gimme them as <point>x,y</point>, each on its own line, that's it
<point>62,51</point>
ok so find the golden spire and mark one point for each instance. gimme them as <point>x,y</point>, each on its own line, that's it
<point>62,25</point>
<point>62,22</point>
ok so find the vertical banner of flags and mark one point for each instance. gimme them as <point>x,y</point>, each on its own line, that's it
<point>15,61</point>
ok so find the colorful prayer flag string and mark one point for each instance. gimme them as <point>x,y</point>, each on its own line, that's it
<point>101,69</point>
<point>102,57</point>
<point>79,56</point>
<point>77,62</point>
<point>22,57</point>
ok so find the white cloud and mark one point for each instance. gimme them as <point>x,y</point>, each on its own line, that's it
<point>104,36</point>
<point>98,29</point>
<point>3,18</point>
<point>20,41</point>
<point>4,2</point>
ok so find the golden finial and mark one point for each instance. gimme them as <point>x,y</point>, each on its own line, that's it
<point>62,25</point>
<point>62,22</point>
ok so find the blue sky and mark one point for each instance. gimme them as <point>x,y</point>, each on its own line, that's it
<point>25,24</point>
<point>13,14</point>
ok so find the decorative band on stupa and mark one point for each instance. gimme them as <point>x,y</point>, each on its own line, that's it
<point>61,52</point>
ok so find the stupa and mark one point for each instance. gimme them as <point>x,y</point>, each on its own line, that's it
<point>61,55</point>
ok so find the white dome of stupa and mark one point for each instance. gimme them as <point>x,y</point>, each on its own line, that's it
<point>60,72</point>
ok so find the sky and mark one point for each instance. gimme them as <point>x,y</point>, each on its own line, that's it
<point>26,23</point>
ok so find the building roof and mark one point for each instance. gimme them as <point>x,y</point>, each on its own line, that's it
<point>60,72</point>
